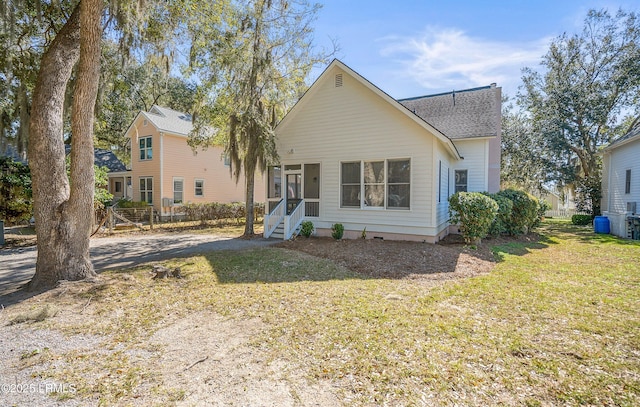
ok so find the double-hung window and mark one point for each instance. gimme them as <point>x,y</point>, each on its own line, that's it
<point>146,190</point>
<point>374,184</point>
<point>627,182</point>
<point>350,184</point>
<point>384,184</point>
<point>146,148</point>
<point>199,188</point>
<point>178,190</point>
<point>461,180</point>
<point>398,184</point>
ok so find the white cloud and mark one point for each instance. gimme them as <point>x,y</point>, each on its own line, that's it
<point>447,59</point>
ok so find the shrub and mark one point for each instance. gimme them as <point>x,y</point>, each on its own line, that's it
<point>581,220</point>
<point>543,207</point>
<point>337,231</point>
<point>125,203</point>
<point>474,212</point>
<point>307,228</point>
<point>16,202</point>
<point>503,217</point>
<point>524,214</point>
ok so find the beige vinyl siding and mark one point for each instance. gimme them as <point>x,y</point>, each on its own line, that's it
<point>351,123</point>
<point>145,168</point>
<point>475,153</point>
<point>179,160</point>
<point>208,165</point>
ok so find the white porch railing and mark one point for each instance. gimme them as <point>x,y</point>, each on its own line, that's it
<point>294,220</point>
<point>273,219</point>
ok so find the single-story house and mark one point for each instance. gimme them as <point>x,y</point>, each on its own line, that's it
<point>621,184</point>
<point>352,154</point>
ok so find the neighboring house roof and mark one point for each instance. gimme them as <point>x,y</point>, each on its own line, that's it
<point>104,158</point>
<point>633,134</point>
<point>169,120</point>
<point>468,113</point>
<point>420,120</point>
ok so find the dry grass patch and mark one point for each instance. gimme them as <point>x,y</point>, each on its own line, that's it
<point>555,323</point>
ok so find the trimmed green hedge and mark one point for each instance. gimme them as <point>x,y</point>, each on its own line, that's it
<point>524,215</point>
<point>581,220</point>
<point>475,212</point>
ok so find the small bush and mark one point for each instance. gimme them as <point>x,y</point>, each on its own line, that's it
<point>337,231</point>
<point>307,228</point>
<point>543,207</point>
<point>524,214</point>
<point>503,217</point>
<point>125,203</point>
<point>581,220</point>
<point>474,212</point>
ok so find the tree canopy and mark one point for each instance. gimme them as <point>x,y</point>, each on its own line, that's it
<point>252,68</point>
<point>576,105</point>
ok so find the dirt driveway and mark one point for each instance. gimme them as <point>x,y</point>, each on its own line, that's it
<point>17,265</point>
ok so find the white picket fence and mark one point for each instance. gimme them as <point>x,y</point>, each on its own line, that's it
<point>563,213</point>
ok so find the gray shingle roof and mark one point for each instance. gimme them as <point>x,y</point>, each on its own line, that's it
<point>460,114</point>
<point>634,132</point>
<point>103,158</point>
<point>169,120</point>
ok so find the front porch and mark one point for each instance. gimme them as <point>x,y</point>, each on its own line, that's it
<point>288,205</point>
<point>285,221</point>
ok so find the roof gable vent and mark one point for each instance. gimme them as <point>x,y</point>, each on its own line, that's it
<point>338,80</point>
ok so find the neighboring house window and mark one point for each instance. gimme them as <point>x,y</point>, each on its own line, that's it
<point>627,182</point>
<point>178,190</point>
<point>461,181</point>
<point>146,190</point>
<point>146,150</point>
<point>350,185</point>
<point>199,187</point>
<point>383,184</point>
<point>227,160</point>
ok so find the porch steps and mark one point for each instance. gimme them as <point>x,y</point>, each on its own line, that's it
<point>279,232</point>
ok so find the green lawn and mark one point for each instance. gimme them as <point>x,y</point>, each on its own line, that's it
<point>556,323</point>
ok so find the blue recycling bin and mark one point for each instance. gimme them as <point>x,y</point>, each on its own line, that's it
<point>601,225</point>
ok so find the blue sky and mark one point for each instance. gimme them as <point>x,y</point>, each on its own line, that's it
<point>412,48</point>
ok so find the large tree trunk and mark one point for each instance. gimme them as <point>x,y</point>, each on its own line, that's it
<point>64,213</point>
<point>250,177</point>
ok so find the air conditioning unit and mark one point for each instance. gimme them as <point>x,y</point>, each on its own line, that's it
<point>167,202</point>
<point>631,207</point>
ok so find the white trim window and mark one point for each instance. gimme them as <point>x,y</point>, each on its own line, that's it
<point>198,188</point>
<point>146,190</point>
<point>381,184</point>
<point>461,180</point>
<point>398,184</point>
<point>178,190</point>
<point>146,148</point>
<point>350,184</point>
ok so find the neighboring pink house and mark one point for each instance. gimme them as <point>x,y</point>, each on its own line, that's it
<point>166,172</point>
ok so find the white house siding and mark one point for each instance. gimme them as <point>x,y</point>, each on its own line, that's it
<point>616,162</point>
<point>349,123</point>
<point>447,187</point>
<point>476,156</point>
